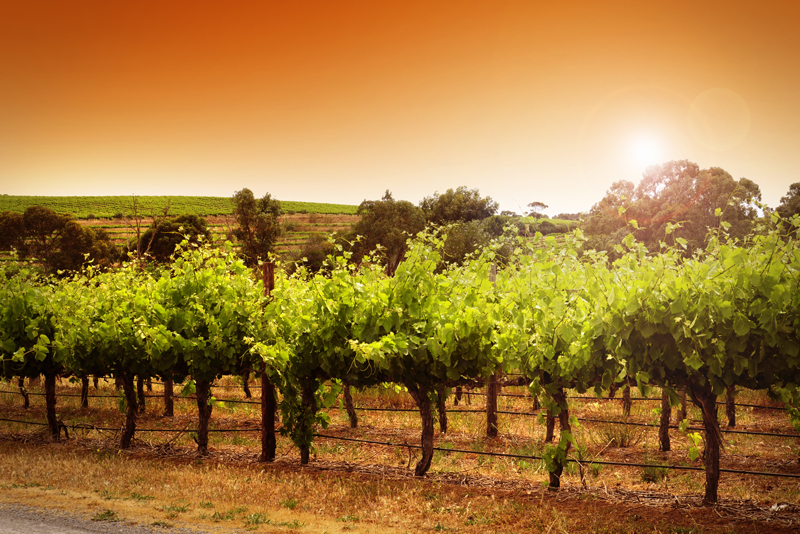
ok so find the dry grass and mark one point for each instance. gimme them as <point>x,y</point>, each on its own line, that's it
<point>230,490</point>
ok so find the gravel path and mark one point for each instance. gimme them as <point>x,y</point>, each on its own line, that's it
<point>21,519</point>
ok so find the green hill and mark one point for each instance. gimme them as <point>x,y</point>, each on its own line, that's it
<point>117,206</point>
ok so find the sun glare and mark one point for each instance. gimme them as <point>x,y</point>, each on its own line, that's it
<point>644,151</point>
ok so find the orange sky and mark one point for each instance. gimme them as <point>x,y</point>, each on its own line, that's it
<point>337,101</point>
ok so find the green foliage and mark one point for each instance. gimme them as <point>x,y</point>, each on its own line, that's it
<point>161,239</point>
<point>258,228</point>
<point>675,202</point>
<point>790,203</point>
<point>55,241</point>
<point>459,205</point>
<point>384,226</point>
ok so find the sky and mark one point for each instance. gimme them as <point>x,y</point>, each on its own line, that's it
<point>338,100</point>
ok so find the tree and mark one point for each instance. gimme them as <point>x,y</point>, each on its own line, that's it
<point>677,199</point>
<point>790,203</point>
<point>385,224</point>
<point>537,209</point>
<point>164,236</point>
<point>258,229</point>
<point>461,205</point>
<point>55,241</point>
<point>462,240</point>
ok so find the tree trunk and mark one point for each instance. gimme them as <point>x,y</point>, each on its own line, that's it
<point>84,391</point>
<point>459,392</point>
<point>309,408</point>
<point>169,403</point>
<point>96,381</point>
<point>348,404</point>
<point>626,400</point>
<point>563,418</point>
<point>536,404</point>
<point>140,393</point>
<point>50,403</point>
<point>117,382</point>
<point>705,399</point>
<point>246,384</point>
<point>268,443</point>
<point>26,401</point>
<point>129,389</point>
<point>492,389</point>
<point>420,396</point>
<point>149,383</point>
<point>663,429</point>
<point>203,390</point>
<point>441,395</point>
<point>550,421</point>
<point>730,406</point>
<point>682,410</point>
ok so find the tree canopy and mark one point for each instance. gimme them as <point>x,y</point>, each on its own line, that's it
<point>385,223</point>
<point>54,241</point>
<point>677,196</point>
<point>460,205</point>
<point>258,228</point>
<point>790,204</point>
<point>163,237</point>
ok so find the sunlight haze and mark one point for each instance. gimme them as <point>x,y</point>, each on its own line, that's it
<point>339,101</point>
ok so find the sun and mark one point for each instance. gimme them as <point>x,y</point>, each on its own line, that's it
<point>644,151</point>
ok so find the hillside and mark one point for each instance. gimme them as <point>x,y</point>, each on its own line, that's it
<point>109,207</point>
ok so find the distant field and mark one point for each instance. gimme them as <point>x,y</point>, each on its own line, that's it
<point>119,206</point>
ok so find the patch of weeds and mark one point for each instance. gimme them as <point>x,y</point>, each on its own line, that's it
<point>206,505</point>
<point>654,474</point>
<point>291,524</point>
<point>139,497</point>
<point>162,524</point>
<point>429,495</point>
<point>438,455</point>
<point>479,519</point>
<point>108,495</point>
<point>528,449</point>
<point>348,518</point>
<point>174,508</point>
<point>618,434</point>
<point>256,519</point>
<point>230,515</point>
<point>290,503</point>
<point>107,515</point>
<point>440,528</point>
<point>683,530</point>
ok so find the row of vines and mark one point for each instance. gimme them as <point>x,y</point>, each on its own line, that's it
<point>560,317</point>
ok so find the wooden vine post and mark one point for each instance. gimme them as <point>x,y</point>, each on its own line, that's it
<point>268,443</point>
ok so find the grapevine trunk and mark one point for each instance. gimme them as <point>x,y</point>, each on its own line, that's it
<point>204,413</point>
<point>129,390</point>
<point>50,402</point>
<point>705,399</point>
<point>348,404</point>
<point>420,396</point>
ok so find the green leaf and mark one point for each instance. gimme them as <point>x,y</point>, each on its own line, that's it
<point>694,361</point>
